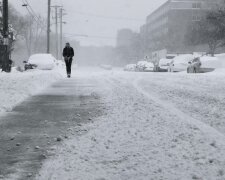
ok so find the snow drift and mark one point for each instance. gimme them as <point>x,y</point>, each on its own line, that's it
<point>17,86</point>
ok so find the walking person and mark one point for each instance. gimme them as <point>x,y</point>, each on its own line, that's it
<point>68,54</point>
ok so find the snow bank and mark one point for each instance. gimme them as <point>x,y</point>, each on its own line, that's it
<point>221,58</point>
<point>210,62</point>
<point>17,86</point>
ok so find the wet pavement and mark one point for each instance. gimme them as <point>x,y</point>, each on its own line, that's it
<point>28,133</point>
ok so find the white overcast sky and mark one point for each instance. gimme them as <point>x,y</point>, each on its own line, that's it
<point>80,23</point>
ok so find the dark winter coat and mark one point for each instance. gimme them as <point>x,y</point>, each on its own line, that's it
<point>68,52</point>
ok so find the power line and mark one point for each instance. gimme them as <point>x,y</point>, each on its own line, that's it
<point>111,38</point>
<point>26,4</point>
<point>90,36</point>
<point>48,26</point>
<point>33,13</point>
<point>108,17</point>
<point>32,9</point>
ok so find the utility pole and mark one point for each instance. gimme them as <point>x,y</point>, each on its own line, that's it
<point>61,22</point>
<point>56,30</point>
<point>48,26</point>
<point>61,29</point>
<point>5,65</point>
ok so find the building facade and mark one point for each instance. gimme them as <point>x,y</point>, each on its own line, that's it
<point>167,26</point>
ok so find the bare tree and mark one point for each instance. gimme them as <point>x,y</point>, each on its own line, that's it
<point>210,30</point>
<point>33,33</point>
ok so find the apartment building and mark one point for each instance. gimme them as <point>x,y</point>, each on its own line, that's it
<point>167,26</point>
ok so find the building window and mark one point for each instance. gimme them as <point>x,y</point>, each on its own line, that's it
<point>196,18</point>
<point>196,5</point>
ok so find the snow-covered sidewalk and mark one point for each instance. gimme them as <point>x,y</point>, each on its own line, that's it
<point>139,137</point>
<point>17,86</point>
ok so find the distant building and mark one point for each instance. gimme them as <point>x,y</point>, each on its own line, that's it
<point>128,47</point>
<point>124,37</point>
<point>167,26</point>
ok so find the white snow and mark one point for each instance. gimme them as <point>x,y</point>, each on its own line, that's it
<point>164,62</point>
<point>221,58</point>
<point>143,64</point>
<point>15,87</point>
<point>183,58</point>
<point>43,61</point>
<point>156,126</point>
<point>211,62</point>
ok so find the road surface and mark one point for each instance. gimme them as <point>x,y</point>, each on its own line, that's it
<point>118,125</point>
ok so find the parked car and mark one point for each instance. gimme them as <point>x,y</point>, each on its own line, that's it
<point>180,63</point>
<point>130,67</point>
<point>41,61</point>
<point>145,66</point>
<point>149,67</point>
<point>164,64</point>
<point>203,64</point>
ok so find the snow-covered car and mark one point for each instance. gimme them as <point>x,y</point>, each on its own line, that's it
<point>180,63</point>
<point>204,64</point>
<point>149,67</point>
<point>42,61</point>
<point>145,66</point>
<point>130,67</point>
<point>164,64</point>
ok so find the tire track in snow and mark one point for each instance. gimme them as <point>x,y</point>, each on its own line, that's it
<point>206,129</point>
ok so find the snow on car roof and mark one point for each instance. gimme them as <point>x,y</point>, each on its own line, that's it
<point>165,60</point>
<point>41,56</point>
<point>183,58</point>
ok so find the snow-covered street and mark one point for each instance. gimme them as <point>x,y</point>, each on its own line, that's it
<point>153,126</point>
<point>116,125</point>
<point>112,90</point>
